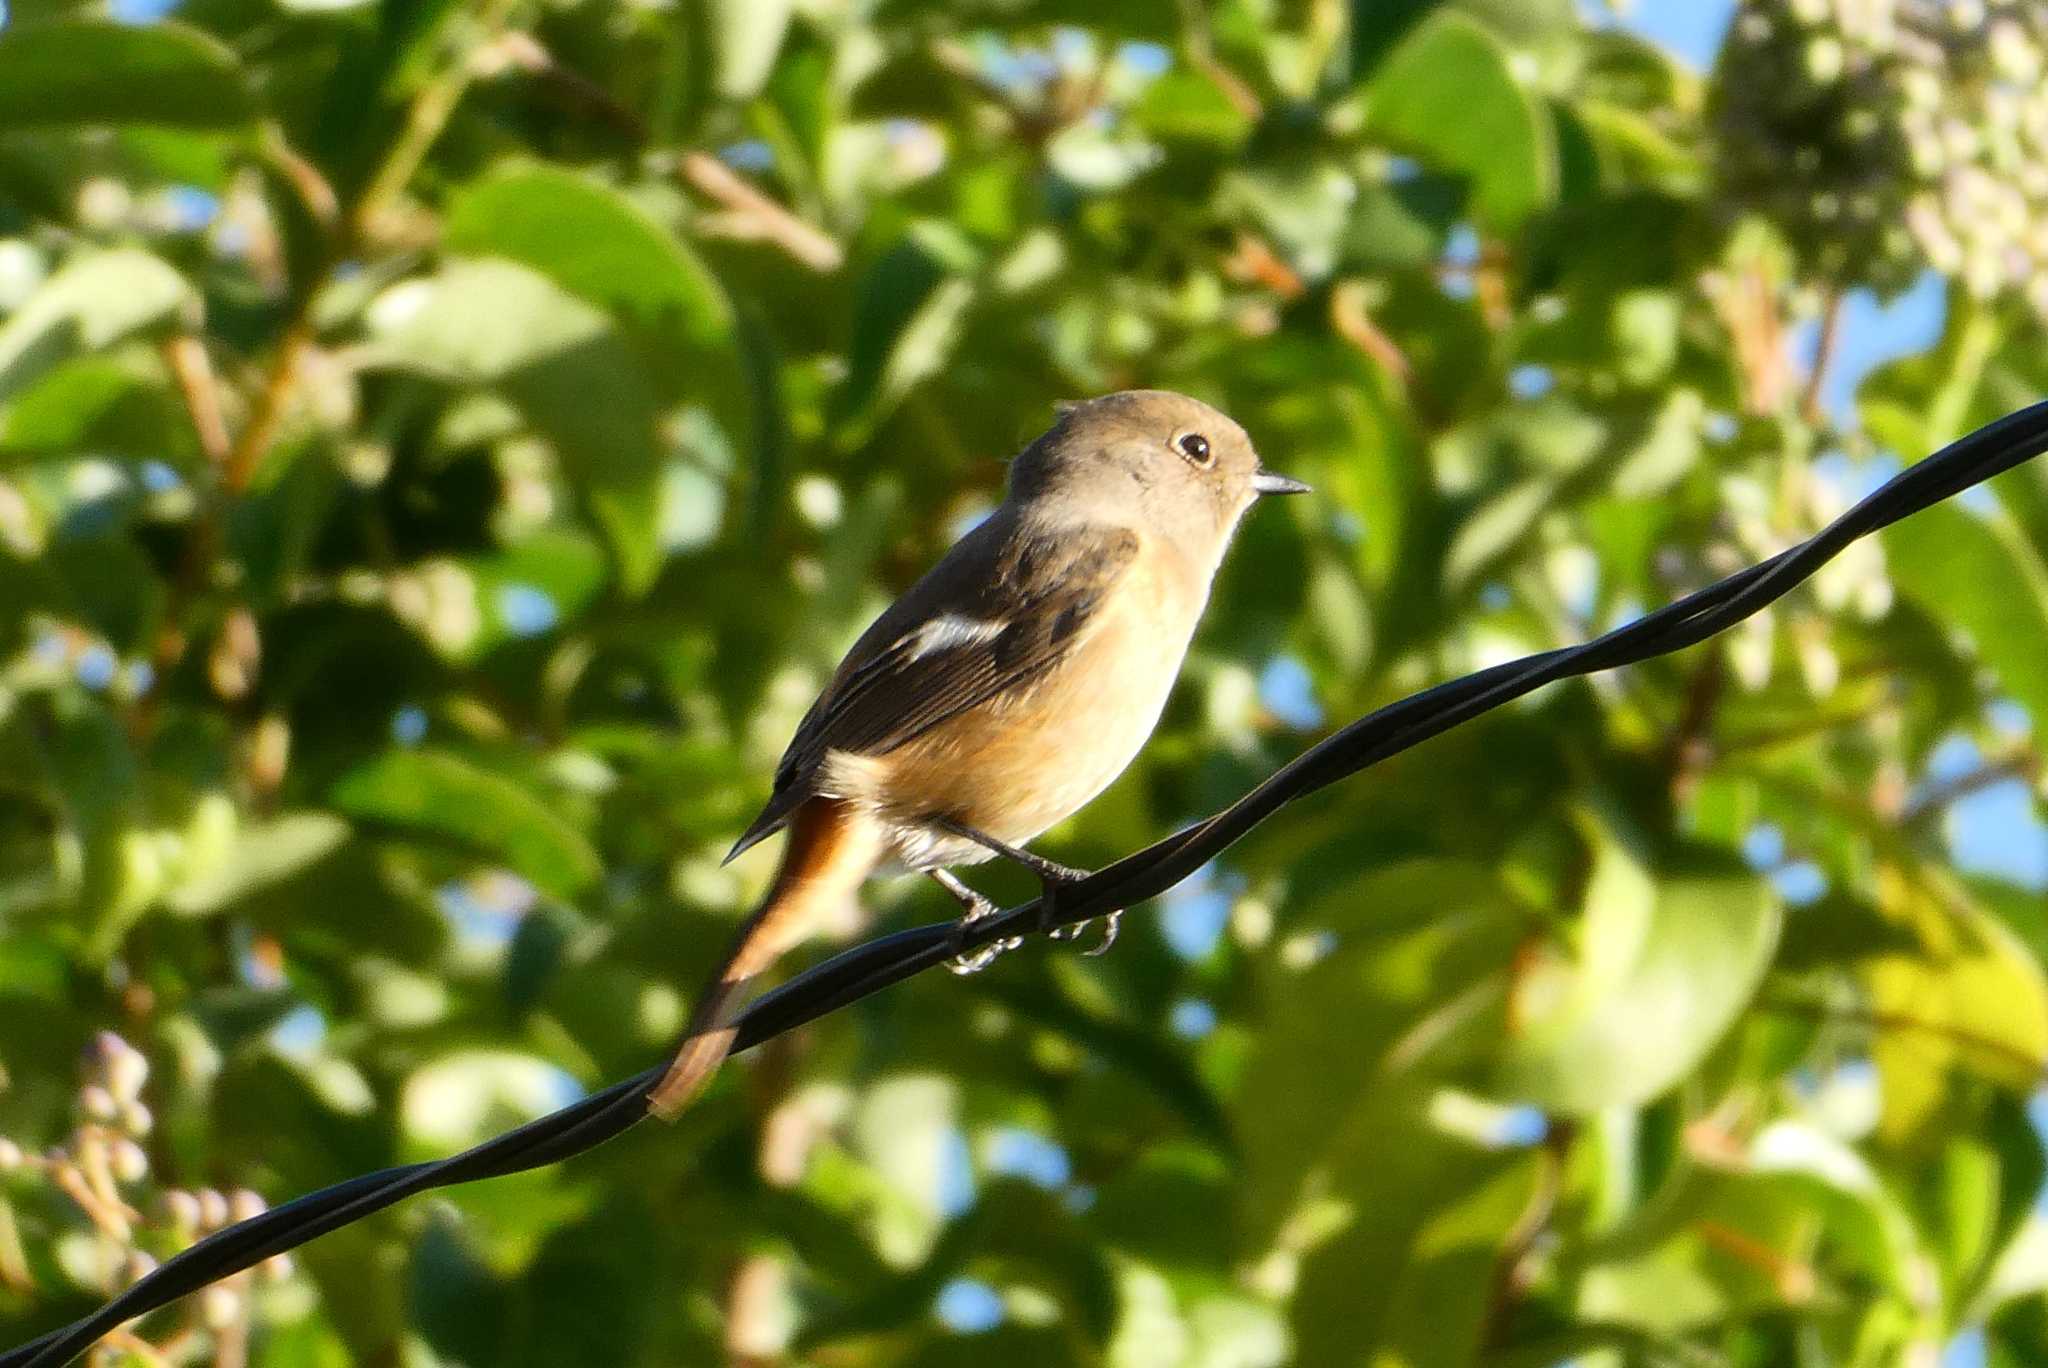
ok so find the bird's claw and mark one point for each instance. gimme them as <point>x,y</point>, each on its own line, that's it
<point>965,961</point>
<point>1110,923</point>
<point>1052,878</point>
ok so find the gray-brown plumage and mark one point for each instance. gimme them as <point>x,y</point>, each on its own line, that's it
<point>1009,685</point>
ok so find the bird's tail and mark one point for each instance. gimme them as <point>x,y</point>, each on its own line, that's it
<point>832,849</point>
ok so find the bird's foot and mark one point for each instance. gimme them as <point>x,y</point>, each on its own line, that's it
<point>964,960</point>
<point>1053,877</point>
<point>1050,886</point>
<point>1110,923</point>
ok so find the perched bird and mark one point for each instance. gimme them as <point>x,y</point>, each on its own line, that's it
<point>1006,688</point>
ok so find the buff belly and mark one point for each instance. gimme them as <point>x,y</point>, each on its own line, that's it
<point>1020,764</point>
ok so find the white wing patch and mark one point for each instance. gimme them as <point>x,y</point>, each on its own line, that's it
<point>949,632</point>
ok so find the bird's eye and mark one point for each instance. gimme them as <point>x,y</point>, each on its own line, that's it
<point>1194,446</point>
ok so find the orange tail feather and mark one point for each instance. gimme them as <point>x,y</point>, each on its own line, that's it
<point>832,849</point>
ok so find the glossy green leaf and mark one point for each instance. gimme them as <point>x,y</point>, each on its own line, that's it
<point>561,362</point>
<point>99,72</point>
<point>95,300</point>
<point>1449,93</point>
<point>1980,574</point>
<point>1666,966</point>
<point>594,242</point>
<point>438,794</point>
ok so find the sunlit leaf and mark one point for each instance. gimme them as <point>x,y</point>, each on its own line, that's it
<point>560,361</point>
<point>745,35</point>
<point>1968,998</point>
<point>259,855</point>
<point>94,301</point>
<point>594,242</point>
<point>1665,968</point>
<point>1449,93</point>
<point>444,795</point>
<point>1951,560</point>
<point>464,1096</point>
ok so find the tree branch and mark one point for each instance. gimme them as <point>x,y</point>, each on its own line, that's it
<point>753,215</point>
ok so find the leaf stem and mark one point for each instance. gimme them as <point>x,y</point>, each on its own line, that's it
<point>1824,356</point>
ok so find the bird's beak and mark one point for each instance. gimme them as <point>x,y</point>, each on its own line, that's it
<point>1271,482</point>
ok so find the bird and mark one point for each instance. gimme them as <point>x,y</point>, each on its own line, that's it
<point>1003,690</point>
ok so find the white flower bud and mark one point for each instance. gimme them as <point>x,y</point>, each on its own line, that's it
<point>181,1210</point>
<point>120,1066</point>
<point>97,1102</point>
<point>128,1162</point>
<point>245,1205</point>
<point>1824,60</point>
<point>2014,55</point>
<point>213,1209</point>
<point>220,1306</point>
<point>2037,295</point>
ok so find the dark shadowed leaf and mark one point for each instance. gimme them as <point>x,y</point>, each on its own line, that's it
<point>96,72</point>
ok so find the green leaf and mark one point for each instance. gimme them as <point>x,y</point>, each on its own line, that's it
<point>560,361</point>
<point>1437,1305</point>
<point>1667,966</point>
<point>1926,400</point>
<point>745,36</point>
<point>907,320</point>
<point>900,1128</point>
<point>261,854</point>
<point>114,866</point>
<point>1300,1107</point>
<point>462,1098</point>
<point>448,796</point>
<point>1305,208</point>
<point>1185,106</point>
<point>97,299</point>
<point>97,72</point>
<point>1872,1226</point>
<point>67,406</point>
<point>1969,998</point>
<point>1978,574</point>
<point>1448,94</point>
<point>1713,1245</point>
<point>594,242</point>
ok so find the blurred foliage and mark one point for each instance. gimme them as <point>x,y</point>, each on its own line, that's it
<point>443,448</point>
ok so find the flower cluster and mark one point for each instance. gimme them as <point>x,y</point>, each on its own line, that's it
<point>1918,128</point>
<point>95,1201</point>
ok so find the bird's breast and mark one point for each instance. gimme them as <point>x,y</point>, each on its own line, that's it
<point>1029,758</point>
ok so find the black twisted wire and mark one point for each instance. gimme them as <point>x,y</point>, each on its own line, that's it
<point>886,960</point>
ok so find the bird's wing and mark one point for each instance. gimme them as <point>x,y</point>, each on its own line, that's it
<point>1036,596</point>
